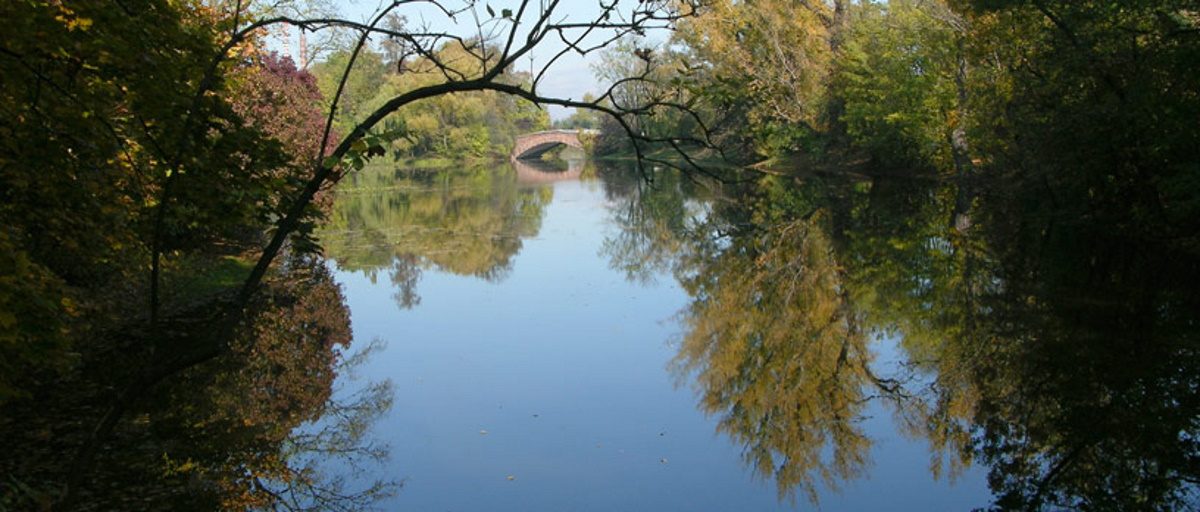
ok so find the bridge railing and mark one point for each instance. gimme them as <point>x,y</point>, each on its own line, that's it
<point>548,132</point>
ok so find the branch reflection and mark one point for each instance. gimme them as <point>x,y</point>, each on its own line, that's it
<point>1061,356</point>
<point>465,220</point>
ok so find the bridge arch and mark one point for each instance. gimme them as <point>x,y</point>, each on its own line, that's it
<point>532,145</point>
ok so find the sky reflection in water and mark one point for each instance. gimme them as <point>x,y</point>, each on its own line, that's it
<point>556,375</point>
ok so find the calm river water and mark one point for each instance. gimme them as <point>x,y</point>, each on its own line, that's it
<point>598,338</point>
<point>533,326</point>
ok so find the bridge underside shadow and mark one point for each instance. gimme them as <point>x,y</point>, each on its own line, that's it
<point>537,151</point>
<point>532,145</point>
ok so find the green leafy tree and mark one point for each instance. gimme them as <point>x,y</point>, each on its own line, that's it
<point>902,80</point>
<point>581,118</point>
<point>766,65</point>
<point>367,75</point>
<point>476,124</point>
<point>1096,102</point>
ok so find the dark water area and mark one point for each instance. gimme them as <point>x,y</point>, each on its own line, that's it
<point>594,340</point>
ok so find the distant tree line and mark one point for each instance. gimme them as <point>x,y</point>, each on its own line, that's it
<point>462,125</point>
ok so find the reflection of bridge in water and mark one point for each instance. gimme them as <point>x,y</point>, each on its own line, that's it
<point>534,172</point>
<point>531,145</point>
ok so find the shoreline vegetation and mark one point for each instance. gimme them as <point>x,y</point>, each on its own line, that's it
<point>165,312</point>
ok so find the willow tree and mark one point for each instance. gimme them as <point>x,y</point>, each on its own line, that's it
<point>769,62</point>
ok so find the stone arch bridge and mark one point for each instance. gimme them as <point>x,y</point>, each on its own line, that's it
<point>532,145</point>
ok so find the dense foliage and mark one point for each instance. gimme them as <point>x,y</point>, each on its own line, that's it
<point>469,124</point>
<point>1095,98</point>
<point>145,151</point>
<point>122,145</point>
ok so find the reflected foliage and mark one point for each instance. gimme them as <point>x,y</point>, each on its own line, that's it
<point>251,424</point>
<point>1055,352</point>
<point>1062,355</point>
<point>656,218</point>
<point>253,429</point>
<point>774,346</point>
<point>1089,399</point>
<point>464,220</point>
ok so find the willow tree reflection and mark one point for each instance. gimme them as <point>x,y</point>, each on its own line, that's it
<point>774,345</point>
<point>464,220</point>
<point>1061,355</point>
<point>916,271</point>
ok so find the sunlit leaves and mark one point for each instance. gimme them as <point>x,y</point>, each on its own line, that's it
<point>474,124</point>
<point>770,59</point>
<point>897,80</point>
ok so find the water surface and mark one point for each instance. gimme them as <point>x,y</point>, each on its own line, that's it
<point>533,331</point>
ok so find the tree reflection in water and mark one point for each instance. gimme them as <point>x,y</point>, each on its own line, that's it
<point>654,219</point>
<point>1058,354</point>
<point>464,220</point>
<point>1090,394</point>
<point>259,427</point>
<point>773,348</point>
